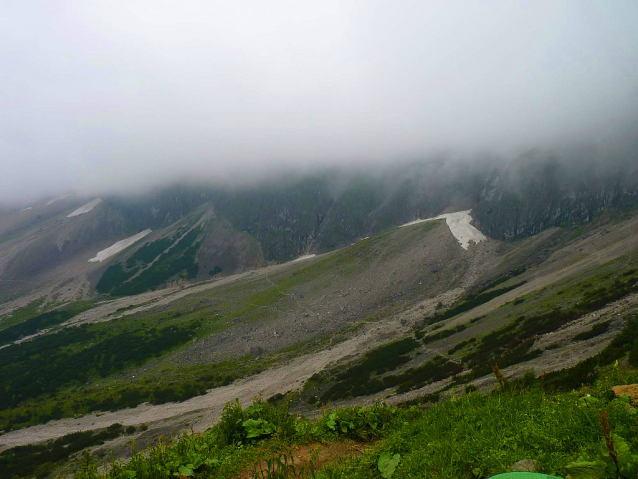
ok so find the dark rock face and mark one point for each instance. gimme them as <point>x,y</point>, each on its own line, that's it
<point>330,209</point>
<point>535,194</point>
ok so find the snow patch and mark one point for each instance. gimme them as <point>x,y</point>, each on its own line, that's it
<point>56,198</point>
<point>27,208</point>
<point>119,246</point>
<point>459,224</point>
<point>86,208</point>
<point>304,257</point>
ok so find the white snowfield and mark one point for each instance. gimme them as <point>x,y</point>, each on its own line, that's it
<point>119,246</point>
<point>459,224</point>
<point>86,208</point>
<point>302,258</point>
<point>56,198</point>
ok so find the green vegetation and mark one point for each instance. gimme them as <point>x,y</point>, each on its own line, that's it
<point>512,343</point>
<point>241,438</point>
<point>35,368</point>
<point>588,371</point>
<point>474,436</point>
<point>21,314</point>
<point>362,379</point>
<point>114,276</point>
<point>445,333</point>
<point>42,459</point>
<point>506,345</point>
<point>215,270</point>
<point>149,252</point>
<point>437,369</point>
<point>41,321</point>
<point>33,325</point>
<point>180,259</point>
<point>501,279</point>
<point>595,330</point>
<point>93,384</point>
<point>367,377</point>
<point>471,302</point>
<point>461,345</point>
<point>178,382</point>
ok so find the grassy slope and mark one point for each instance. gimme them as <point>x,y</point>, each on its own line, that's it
<point>473,436</point>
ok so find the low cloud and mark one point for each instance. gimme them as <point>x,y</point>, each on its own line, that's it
<point>128,95</point>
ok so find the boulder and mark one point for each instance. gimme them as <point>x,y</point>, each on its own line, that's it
<point>524,465</point>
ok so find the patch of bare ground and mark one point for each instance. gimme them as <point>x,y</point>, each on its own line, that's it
<point>316,455</point>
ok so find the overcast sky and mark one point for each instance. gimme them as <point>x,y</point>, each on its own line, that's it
<point>112,94</point>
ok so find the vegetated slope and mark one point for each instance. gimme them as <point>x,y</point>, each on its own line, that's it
<point>273,313</point>
<point>292,313</point>
<point>199,246</point>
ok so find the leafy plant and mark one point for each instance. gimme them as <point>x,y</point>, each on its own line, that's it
<point>615,459</point>
<point>387,464</point>
<point>258,428</point>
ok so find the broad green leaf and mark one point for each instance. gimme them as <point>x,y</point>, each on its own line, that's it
<point>185,470</point>
<point>584,469</point>
<point>627,461</point>
<point>387,464</point>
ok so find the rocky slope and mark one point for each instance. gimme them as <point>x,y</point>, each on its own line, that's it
<point>277,221</point>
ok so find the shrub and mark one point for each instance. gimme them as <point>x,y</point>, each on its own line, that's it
<point>258,421</point>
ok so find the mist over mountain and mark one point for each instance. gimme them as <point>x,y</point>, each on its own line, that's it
<point>124,98</point>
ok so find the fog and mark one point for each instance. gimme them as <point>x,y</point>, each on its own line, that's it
<point>121,96</point>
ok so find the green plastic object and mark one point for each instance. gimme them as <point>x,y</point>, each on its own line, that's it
<point>524,475</point>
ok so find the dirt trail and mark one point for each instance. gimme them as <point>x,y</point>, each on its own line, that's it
<point>316,454</point>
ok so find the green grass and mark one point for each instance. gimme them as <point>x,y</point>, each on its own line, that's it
<point>471,302</point>
<point>472,436</point>
<point>477,436</point>
<point>50,319</point>
<point>595,330</point>
<point>21,314</point>
<point>40,460</point>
